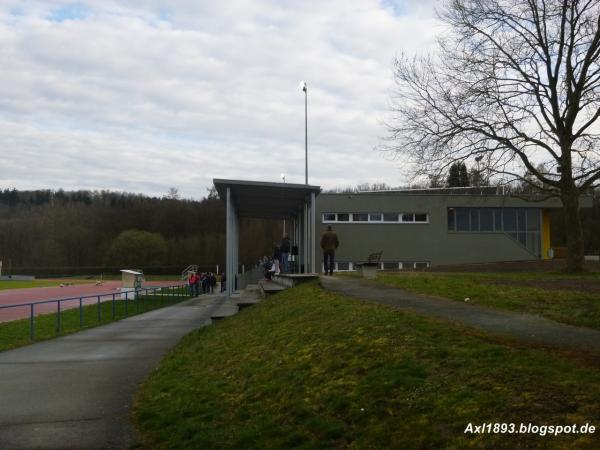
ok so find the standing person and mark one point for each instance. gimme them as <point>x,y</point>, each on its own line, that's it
<point>285,253</point>
<point>197,284</point>
<point>275,258</point>
<point>223,280</point>
<point>204,283</point>
<point>213,282</point>
<point>193,283</point>
<point>329,242</point>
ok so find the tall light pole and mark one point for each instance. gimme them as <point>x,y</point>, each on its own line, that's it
<point>305,89</point>
<point>283,179</point>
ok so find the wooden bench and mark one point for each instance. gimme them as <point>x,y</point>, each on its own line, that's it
<point>369,269</point>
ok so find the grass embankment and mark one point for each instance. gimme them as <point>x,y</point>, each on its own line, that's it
<point>22,284</point>
<point>310,369</point>
<point>17,332</point>
<point>555,296</point>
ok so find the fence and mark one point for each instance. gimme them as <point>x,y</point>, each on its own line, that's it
<point>68,271</point>
<point>118,304</point>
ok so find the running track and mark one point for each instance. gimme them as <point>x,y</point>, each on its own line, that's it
<point>30,295</point>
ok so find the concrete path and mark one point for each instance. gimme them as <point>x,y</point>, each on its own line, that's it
<point>76,392</point>
<point>523,328</point>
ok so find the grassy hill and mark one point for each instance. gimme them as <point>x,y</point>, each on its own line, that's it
<point>309,369</point>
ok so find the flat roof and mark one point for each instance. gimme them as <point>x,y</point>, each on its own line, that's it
<point>264,200</point>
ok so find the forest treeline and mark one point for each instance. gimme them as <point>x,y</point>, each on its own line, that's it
<point>46,232</point>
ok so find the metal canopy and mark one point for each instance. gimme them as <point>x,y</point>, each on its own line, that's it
<point>263,200</point>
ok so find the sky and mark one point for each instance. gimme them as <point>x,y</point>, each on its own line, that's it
<point>144,95</point>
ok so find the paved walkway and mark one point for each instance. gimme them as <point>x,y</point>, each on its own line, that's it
<point>76,392</point>
<point>524,328</point>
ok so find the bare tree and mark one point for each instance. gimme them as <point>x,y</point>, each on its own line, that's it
<point>173,193</point>
<point>516,82</point>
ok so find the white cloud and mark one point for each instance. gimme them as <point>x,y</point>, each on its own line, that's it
<point>140,96</point>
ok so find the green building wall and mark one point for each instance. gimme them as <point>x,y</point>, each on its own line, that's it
<point>430,243</point>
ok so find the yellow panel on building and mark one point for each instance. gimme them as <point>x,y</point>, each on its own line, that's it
<point>545,234</point>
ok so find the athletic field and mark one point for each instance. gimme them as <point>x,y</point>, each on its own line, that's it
<point>105,292</point>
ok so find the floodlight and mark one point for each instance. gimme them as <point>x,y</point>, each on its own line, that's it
<point>303,86</point>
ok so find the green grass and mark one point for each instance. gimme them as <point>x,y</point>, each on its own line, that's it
<point>38,283</point>
<point>17,333</point>
<point>503,291</point>
<point>310,369</point>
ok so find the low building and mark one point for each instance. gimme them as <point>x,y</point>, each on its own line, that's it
<point>413,228</point>
<point>429,227</point>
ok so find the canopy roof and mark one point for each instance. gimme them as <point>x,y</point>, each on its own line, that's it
<point>263,200</point>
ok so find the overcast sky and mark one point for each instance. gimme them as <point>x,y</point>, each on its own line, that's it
<point>144,95</point>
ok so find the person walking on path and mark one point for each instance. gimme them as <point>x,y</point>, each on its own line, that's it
<point>329,242</point>
<point>284,253</point>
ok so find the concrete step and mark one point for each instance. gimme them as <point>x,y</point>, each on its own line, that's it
<point>245,302</point>
<point>293,279</point>
<point>270,287</point>
<point>227,309</point>
<point>252,288</point>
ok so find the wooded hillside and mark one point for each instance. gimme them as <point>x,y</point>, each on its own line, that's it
<point>58,233</point>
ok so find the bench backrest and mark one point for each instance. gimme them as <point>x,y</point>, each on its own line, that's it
<point>374,257</point>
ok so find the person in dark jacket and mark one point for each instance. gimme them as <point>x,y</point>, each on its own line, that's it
<point>284,254</point>
<point>329,242</point>
<point>213,282</point>
<point>223,280</point>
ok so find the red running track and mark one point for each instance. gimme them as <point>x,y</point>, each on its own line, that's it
<point>30,295</point>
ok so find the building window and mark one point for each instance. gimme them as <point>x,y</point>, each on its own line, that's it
<point>462,219</point>
<point>451,219</point>
<point>343,266</point>
<point>360,217</point>
<point>509,219</point>
<point>521,224</point>
<point>474,219</point>
<point>486,219</point>
<point>497,219</point>
<point>390,265</point>
<point>364,217</point>
<point>414,265</point>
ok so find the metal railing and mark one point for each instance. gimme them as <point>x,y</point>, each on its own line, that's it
<point>186,272</point>
<point>251,276</point>
<point>134,301</point>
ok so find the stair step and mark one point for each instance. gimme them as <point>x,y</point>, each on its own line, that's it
<point>227,309</point>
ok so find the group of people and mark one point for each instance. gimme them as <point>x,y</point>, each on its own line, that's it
<point>205,280</point>
<point>282,260</point>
